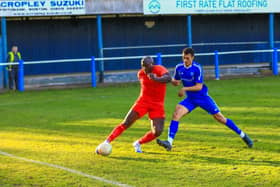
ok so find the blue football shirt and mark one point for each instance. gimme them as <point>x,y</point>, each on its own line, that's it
<point>189,77</point>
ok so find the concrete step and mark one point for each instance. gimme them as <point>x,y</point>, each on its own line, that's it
<point>131,76</point>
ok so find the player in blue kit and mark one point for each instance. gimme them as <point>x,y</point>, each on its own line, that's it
<point>190,74</point>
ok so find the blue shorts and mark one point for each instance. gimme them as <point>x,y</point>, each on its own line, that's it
<point>205,102</point>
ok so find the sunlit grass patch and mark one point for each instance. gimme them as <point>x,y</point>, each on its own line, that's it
<point>63,127</point>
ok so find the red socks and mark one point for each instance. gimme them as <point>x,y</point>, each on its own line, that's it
<point>118,130</point>
<point>149,136</point>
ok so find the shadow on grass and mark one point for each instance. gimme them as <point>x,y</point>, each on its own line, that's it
<point>141,159</point>
<point>228,161</point>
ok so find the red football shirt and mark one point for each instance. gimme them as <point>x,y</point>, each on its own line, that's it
<point>152,91</point>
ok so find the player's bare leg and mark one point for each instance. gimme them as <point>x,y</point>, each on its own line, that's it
<point>157,125</point>
<point>179,112</point>
<point>230,124</point>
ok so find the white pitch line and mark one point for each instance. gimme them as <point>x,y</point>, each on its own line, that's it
<point>66,169</point>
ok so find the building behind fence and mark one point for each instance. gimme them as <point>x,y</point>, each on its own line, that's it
<point>119,28</point>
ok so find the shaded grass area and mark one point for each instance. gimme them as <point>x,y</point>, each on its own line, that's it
<point>63,127</point>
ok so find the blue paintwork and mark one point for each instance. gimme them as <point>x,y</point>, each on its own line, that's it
<point>77,38</point>
<point>93,73</point>
<point>4,48</point>
<point>159,59</point>
<point>275,62</point>
<point>217,70</point>
<point>189,23</point>
<point>21,76</point>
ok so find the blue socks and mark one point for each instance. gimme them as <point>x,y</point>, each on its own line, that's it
<point>173,128</point>
<point>233,127</point>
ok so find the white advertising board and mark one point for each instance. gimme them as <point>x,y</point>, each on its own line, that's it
<point>210,6</point>
<point>9,8</point>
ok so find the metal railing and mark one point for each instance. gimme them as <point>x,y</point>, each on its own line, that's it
<point>158,57</point>
<point>185,45</point>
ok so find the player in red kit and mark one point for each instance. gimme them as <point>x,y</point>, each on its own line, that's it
<point>153,79</point>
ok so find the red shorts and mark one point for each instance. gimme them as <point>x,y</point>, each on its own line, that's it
<point>154,109</point>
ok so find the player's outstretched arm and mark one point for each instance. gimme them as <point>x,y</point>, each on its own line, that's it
<point>165,78</point>
<point>196,87</point>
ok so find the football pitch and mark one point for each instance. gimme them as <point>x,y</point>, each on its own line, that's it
<point>47,138</point>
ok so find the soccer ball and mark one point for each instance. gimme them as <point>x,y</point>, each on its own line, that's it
<point>104,149</point>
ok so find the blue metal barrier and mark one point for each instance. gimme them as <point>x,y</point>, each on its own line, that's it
<point>100,47</point>
<point>93,73</point>
<point>159,59</point>
<point>5,50</point>
<point>189,23</point>
<point>275,62</point>
<point>1,68</point>
<point>271,30</point>
<point>217,70</point>
<point>21,76</point>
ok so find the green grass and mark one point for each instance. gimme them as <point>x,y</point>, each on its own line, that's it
<point>63,127</point>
